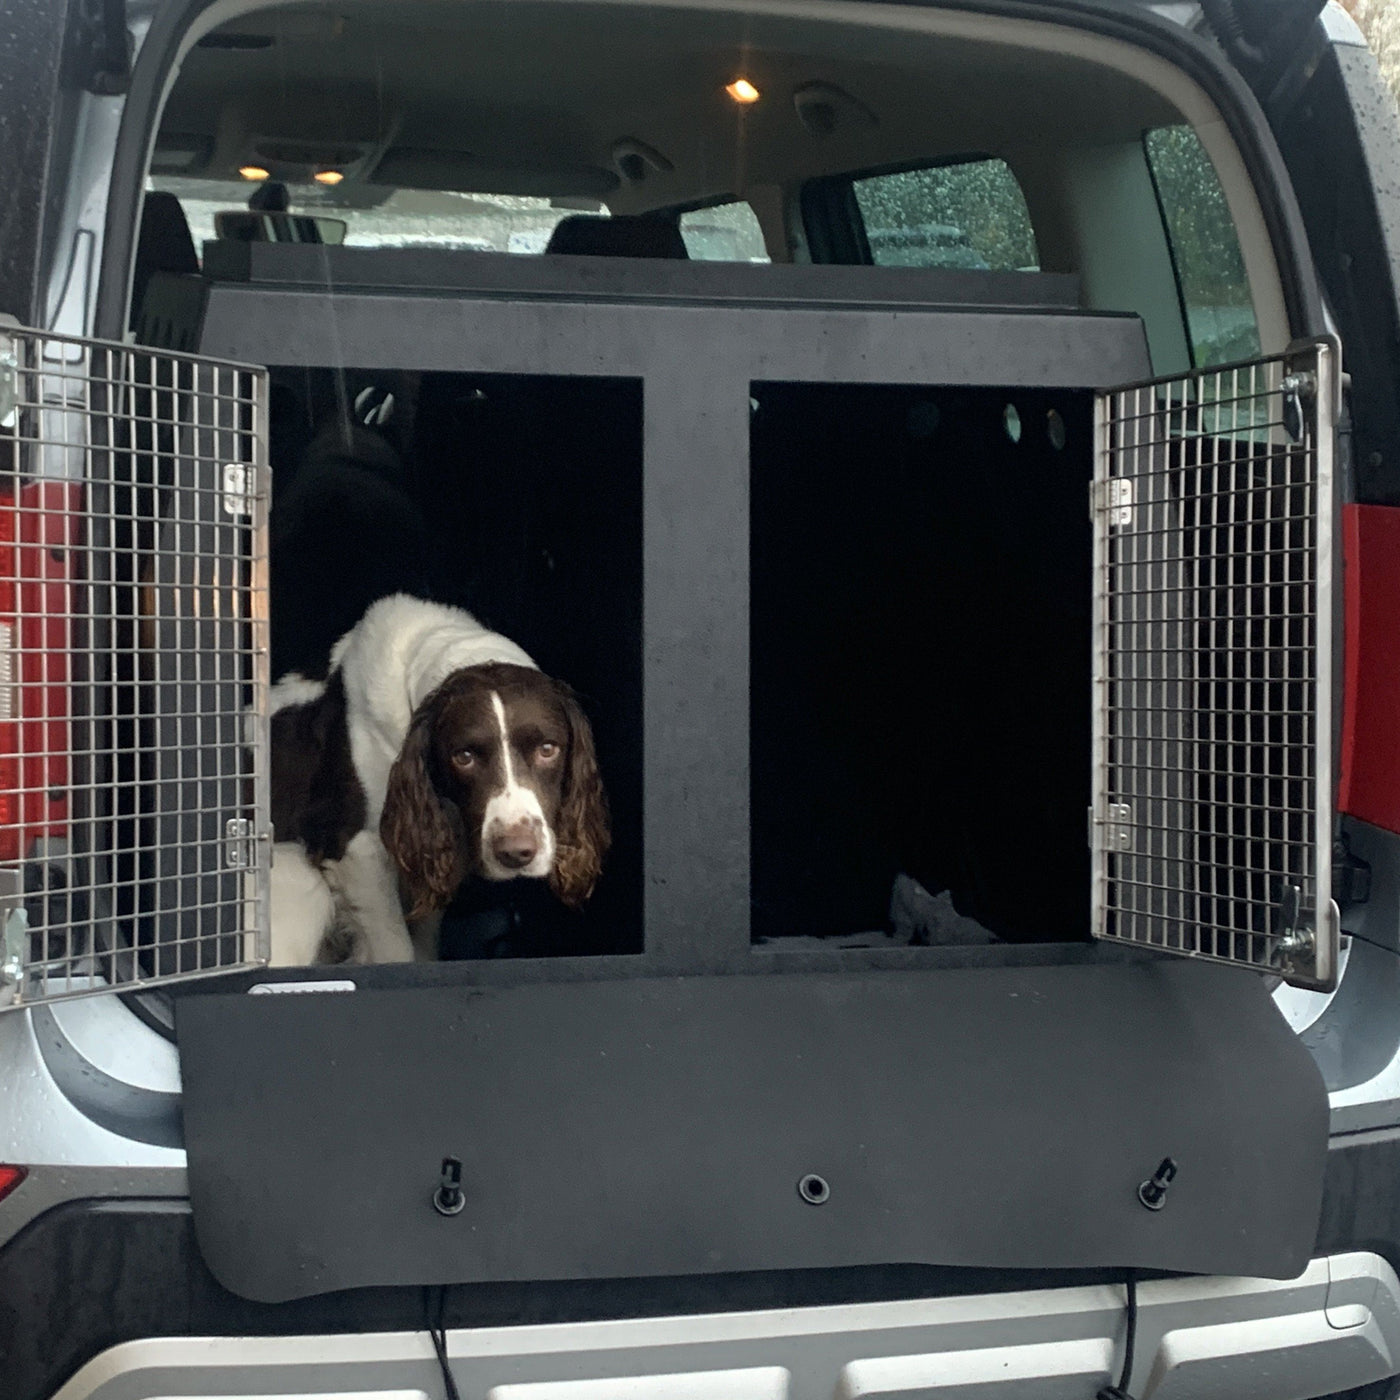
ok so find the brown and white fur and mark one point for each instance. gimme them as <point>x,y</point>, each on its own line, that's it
<point>435,752</point>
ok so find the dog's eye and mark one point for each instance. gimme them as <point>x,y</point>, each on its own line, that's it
<point>464,758</point>
<point>547,752</point>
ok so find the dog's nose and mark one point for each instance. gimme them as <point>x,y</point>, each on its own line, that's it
<point>517,847</point>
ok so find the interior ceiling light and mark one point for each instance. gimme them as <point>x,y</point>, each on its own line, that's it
<point>252,172</point>
<point>328,177</point>
<point>743,91</point>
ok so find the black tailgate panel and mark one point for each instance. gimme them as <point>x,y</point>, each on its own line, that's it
<point>999,1118</point>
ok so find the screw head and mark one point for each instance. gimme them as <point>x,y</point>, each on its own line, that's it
<point>445,1203</point>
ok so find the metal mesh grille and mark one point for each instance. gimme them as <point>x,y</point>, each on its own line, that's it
<point>133,666</point>
<point>1212,747</point>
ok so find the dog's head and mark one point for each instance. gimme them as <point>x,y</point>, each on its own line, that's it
<point>497,778</point>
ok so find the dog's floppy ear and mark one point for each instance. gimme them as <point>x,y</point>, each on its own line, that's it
<point>416,826</point>
<point>582,834</point>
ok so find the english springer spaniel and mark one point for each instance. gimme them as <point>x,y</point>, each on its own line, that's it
<point>436,751</point>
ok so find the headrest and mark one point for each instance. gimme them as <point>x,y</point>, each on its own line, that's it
<point>164,244</point>
<point>250,226</point>
<point>271,197</point>
<point>621,236</point>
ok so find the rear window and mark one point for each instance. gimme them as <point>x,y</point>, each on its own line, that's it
<point>971,214</point>
<point>486,223</point>
<point>1215,296</point>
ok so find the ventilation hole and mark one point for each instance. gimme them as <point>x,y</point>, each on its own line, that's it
<point>813,1189</point>
<point>923,419</point>
<point>1055,429</point>
<point>1012,421</point>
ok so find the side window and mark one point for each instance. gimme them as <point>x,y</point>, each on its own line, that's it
<point>971,214</point>
<point>1215,297</point>
<point>724,233</point>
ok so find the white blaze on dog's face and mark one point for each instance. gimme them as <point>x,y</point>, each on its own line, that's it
<point>516,838</point>
<point>502,740</point>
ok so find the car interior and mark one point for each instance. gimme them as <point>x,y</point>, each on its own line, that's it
<point>918,553</point>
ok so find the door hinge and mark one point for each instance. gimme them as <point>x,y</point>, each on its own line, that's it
<point>9,382</point>
<point>1113,832</point>
<point>14,938</point>
<point>238,843</point>
<point>240,486</point>
<point>1113,497</point>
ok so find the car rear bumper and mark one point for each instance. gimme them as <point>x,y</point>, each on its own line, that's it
<point>1335,1327</point>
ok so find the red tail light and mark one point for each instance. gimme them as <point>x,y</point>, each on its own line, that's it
<point>10,1177</point>
<point>37,530</point>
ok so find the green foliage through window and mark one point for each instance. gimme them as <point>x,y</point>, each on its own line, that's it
<point>971,214</point>
<point>1209,266</point>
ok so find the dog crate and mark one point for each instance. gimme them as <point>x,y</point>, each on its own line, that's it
<point>868,516</point>
<point>1154,563</point>
<point>133,666</point>
<point>1192,597</point>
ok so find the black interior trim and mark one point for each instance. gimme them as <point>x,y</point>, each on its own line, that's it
<point>662,1126</point>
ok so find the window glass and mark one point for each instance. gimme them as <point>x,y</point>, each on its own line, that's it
<point>724,233</point>
<point>488,223</point>
<point>970,215</point>
<point>1209,267</point>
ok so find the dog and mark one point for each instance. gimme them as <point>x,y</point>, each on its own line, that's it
<point>435,752</point>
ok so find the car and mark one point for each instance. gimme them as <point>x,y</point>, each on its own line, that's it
<point>951,451</point>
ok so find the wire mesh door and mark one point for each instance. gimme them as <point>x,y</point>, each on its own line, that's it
<point>134,820</point>
<point>1211,825</point>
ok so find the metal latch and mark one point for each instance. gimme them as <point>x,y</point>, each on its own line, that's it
<point>240,484</point>
<point>238,843</point>
<point>9,382</point>
<point>1295,388</point>
<point>1295,938</point>
<point>1114,496</point>
<point>1114,831</point>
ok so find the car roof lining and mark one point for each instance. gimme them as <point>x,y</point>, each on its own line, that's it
<point>1057,87</point>
<point>497,98</point>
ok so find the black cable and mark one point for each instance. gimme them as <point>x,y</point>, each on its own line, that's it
<point>1374,943</point>
<point>439,1336</point>
<point>1120,1391</point>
